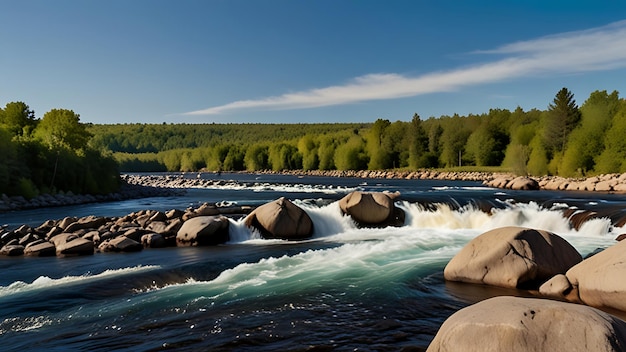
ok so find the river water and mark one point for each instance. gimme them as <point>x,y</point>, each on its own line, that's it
<point>347,288</point>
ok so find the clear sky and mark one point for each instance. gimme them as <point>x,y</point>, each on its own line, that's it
<point>304,61</point>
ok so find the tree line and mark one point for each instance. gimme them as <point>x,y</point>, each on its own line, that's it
<point>58,152</point>
<point>50,154</point>
<point>564,139</point>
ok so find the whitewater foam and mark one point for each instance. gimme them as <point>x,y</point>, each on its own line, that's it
<point>44,282</point>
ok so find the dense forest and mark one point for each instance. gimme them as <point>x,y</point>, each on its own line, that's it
<point>50,154</point>
<point>564,139</point>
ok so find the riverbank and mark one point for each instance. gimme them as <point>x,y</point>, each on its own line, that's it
<point>609,183</point>
<point>143,186</point>
<point>127,191</point>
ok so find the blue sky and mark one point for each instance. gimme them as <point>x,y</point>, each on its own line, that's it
<point>296,61</point>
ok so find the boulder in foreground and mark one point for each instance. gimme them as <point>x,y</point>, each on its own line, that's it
<point>281,219</point>
<point>513,257</point>
<point>529,324</point>
<point>599,280</point>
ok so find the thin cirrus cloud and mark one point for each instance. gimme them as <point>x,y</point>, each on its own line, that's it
<point>601,48</point>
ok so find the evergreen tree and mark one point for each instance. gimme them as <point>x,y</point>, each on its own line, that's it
<point>418,143</point>
<point>563,116</point>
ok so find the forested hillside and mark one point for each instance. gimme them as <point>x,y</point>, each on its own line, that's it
<point>565,139</point>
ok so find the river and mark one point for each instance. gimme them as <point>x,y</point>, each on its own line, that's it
<point>347,288</point>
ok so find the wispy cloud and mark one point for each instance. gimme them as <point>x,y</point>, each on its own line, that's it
<point>602,48</point>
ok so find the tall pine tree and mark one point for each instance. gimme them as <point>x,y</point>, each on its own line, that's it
<point>563,116</point>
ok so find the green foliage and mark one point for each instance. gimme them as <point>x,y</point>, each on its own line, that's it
<point>143,162</point>
<point>586,141</point>
<point>379,157</point>
<point>351,154</point>
<point>418,144</point>
<point>453,140</point>
<point>538,159</point>
<point>326,153</point>
<point>613,157</point>
<point>256,158</point>
<point>307,147</point>
<point>62,128</point>
<point>17,118</point>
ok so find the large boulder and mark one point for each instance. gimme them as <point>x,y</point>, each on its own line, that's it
<point>372,208</point>
<point>281,219</point>
<point>513,257</point>
<point>203,231</point>
<point>599,279</point>
<point>529,324</point>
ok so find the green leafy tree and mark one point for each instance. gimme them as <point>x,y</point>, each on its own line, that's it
<point>326,153</point>
<point>62,128</point>
<point>563,116</point>
<point>308,149</point>
<point>256,157</point>
<point>351,154</point>
<point>283,156</point>
<point>453,140</point>
<point>379,157</point>
<point>17,118</point>
<point>396,144</point>
<point>613,156</point>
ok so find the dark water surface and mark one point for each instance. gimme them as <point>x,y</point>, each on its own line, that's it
<point>346,289</point>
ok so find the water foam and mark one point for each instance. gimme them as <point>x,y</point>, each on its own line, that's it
<point>44,282</point>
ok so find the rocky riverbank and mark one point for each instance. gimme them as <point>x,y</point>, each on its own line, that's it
<point>142,186</point>
<point>609,183</point>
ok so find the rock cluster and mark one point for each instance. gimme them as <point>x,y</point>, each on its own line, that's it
<point>610,183</point>
<point>205,225</point>
<point>548,266</point>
